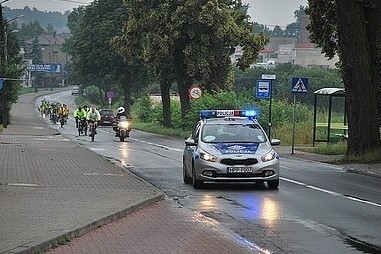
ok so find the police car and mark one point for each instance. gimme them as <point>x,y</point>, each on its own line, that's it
<point>230,146</point>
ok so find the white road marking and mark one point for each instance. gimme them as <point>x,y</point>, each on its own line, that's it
<point>157,145</point>
<point>102,174</point>
<point>330,192</point>
<point>23,184</point>
<point>97,149</point>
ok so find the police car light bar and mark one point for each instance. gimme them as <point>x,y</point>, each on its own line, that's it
<point>228,113</point>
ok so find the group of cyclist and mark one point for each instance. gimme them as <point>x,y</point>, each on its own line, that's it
<point>84,116</point>
<point>56,111</point>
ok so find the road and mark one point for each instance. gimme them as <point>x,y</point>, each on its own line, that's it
<point>319,208</point>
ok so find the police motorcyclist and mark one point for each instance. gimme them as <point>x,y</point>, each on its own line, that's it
<point>121,111</point>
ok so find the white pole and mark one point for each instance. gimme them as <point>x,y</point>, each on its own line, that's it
<point>293,126</point>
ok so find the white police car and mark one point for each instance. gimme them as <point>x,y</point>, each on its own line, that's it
<point>230,146</point>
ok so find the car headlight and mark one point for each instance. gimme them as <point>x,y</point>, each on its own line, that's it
<point>207,157</point>
<point>269,156</point>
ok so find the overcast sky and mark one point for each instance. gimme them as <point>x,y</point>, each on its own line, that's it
<point>267,12</point>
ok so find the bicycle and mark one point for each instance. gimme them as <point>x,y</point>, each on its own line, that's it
<point>82,127</point>
<point>92,129</point>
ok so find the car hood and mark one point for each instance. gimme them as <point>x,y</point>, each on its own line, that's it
<point>237,148</point>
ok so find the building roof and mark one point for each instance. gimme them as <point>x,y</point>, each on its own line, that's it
<point>48,39</point>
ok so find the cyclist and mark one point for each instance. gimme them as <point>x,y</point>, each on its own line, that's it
<point>93,116</point>
<point>63,112</point>
<point>79,114</point>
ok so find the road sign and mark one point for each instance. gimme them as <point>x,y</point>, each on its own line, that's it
<point>110,94</point>
<point>195,92</point>
<point>263,89</point>
<point>269,76</point>
<point>52,68</point>
<point>1,83</point>
<point>299,85</point>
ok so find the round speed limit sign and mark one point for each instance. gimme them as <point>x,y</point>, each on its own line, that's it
<point>195,92</point>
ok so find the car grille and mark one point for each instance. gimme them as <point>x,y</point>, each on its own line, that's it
<point>232,162</point>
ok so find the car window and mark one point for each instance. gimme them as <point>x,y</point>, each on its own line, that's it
<point>220,133</point>
<point>195,132</point>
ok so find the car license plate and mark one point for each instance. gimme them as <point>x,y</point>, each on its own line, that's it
<point>240,170</point>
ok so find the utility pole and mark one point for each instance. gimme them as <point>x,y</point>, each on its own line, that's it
<point>2,70</point>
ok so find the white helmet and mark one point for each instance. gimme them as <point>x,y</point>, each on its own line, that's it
<point>120,110</point>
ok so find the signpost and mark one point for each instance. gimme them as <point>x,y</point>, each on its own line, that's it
<point>264,90</point>
<point>298,85</point>
<point>195,92</point>
<point>110,95</point>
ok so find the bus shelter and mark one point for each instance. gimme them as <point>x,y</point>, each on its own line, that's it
<point>329,126</point>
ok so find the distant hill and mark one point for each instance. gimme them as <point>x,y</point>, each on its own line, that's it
<point>56,19</point>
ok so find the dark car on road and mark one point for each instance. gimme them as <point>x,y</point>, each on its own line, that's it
<point>107,117</point>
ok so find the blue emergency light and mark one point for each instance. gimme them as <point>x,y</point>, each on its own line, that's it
<point>219,113</point>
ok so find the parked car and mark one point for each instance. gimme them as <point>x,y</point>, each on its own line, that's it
<point>75,90</point>
<point>107,117</point>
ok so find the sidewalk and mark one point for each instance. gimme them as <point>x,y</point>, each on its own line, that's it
<point>53,190</point>
<point>360,168</point>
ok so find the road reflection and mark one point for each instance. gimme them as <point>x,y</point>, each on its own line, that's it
<point>124,152</point>
<point>261,208</point>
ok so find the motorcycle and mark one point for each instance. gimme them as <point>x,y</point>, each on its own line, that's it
<point>123,128</point>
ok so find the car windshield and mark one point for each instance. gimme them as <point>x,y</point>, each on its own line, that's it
<point>232,133</point>
<point>106,112</point>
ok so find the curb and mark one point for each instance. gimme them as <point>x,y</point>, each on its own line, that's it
<point>362,172</point>
<point>55,240</point>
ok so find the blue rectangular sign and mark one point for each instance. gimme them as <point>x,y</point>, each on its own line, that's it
<point>299,85</point>
<point>263,89</point>
<point>52,68</point>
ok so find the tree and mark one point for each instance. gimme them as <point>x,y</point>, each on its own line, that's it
<point>191,39</point>
<point>350,28</point>
<point>93,56</point>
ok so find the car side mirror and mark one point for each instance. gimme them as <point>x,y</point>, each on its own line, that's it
<point>190,142</point>
<point>275,142</point>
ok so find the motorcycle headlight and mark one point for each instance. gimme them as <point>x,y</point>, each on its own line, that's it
<point>269,156</point>
<point>207,157</point>
<point>124,125</point>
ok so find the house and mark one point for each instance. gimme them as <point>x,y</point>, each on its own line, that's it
<point>52,53</point>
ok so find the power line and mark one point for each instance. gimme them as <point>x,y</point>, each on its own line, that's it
<point>72,1</point>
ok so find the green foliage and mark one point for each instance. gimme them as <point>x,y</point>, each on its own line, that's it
<point>318,78</point>
<point>94,95</point>
<point>142,110</point>
<point>32,17</point>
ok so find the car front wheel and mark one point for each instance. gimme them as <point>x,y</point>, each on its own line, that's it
<point>273,184</point>
<point>197,184</point>
<point>186,178</point>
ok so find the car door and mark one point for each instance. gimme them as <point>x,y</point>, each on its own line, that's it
<point>190,150</point>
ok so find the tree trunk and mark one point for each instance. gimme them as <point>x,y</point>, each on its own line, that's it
<point>166,100</point>
<point>361,93</point>
<point>373,16</point>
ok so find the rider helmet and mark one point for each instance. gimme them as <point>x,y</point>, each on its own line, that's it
<point>121,110</point>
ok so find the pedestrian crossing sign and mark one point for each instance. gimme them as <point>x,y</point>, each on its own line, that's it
<point>299,85</point>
